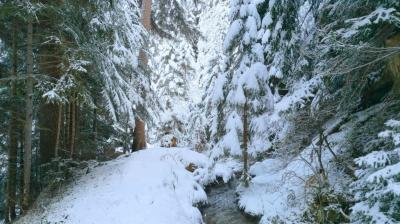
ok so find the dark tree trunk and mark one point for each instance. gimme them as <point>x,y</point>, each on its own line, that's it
<point>67,128</point>
<point>76,135</point>
<point>21,165</point>
<point>72,129</point>
<point>126,135</point>
<point>62,132</point>
<point>48,123</point>
<point>220,118</point>
<point>28,119</point>
<point>13,144</point>
<point>50,60</point>
<point>94,126</point>
<point>48,111</point>
<point>59,126</point>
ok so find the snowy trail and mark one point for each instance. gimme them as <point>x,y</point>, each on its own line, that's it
<point>149,187</point>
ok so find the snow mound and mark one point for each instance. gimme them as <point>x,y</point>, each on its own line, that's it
<point>278,187</point>
<point>149,187</point>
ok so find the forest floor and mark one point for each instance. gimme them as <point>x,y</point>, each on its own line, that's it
<point>150,186</point>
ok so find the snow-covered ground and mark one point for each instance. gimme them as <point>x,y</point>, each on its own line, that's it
<point>149,187</point>
<point>282,187</point>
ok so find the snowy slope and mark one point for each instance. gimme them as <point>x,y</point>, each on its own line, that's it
<point>149,187</point>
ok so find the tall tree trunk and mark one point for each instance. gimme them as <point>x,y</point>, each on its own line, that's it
<point>245,145</point>
<point>73,129</point>
<point>76,134</point>
<point>21,164</point>
<point>220,118</point>
<point>13,147</point>
<point>94,128</point>
<point>50,60</point>
<point>57,149</point>
<point>48,122</point>
<point>67,126</point>
<point>146,21</point>
<point>126,135</point>
<point>28,119</point>
<point>61,143</point>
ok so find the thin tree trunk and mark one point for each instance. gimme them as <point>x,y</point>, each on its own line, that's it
<point>76,134</point>
<point>245,146</point>
<point>6,212</point>
<point>67,126</point>
<point>61,146</point>
<point>57,149</point>
<point>21,165</point>
<point>13,147</point>
<point>319,157</point>
<point>72,135</point>
<point>28,119</point>
<point>126,135</point>
<point>220,118</point>
<point>95,123</point>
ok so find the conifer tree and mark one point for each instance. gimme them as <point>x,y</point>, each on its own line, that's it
<point>247,90</point>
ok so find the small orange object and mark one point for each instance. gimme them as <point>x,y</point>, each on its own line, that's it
<point>174,142</point>
<point>191,168</point>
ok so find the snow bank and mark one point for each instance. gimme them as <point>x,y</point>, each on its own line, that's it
<point>226,168</point>
<point>149,187</point>
<point>279,187</point>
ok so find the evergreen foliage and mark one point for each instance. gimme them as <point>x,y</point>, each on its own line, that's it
<point>304,93</point>
<point>88,86</point>
<point>304,68</point>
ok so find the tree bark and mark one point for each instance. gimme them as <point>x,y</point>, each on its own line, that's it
<point>319,150</point>
<point>146,21</point>
<point>76,134</point>
<point>94,128</point>
<point>57,149</point>
<point>61,143</point>
<point>50,59</point>
<point>21,164</point>
<point>48,122</point>
<point>67,127</point>
<point>126,135</point>
<point>13,147</point>
<point>139,135</point>
<point>73,129</point>
<point>48,134</point>
<point>146,17</point>
<point>220,118</point>
<point>28,119</point>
